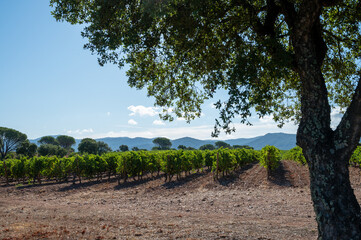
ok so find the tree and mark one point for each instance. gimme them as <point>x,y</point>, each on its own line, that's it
<point>88,145</point>
<point>26,148</point>
<point>296,60</point>
<point>123,148</point>
<point>48,140</point>
<point>182,147</point>
<point>65,141</point>
<point>220,144</point>
<point>135,149</point>
<point>242,146</point>
<point>51,149</point>
<point>103,148</point>
<point>163,143</point>
<point>10,140</point>
<point>207,146</point>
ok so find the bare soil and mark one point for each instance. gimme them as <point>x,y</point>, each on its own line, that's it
<point>243,206</point>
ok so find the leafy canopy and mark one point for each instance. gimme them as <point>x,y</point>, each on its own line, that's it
<point>26,148</point>
<point>65,141</point>
<point>48,140</point>
<point>220,144</point>
<point>91,146</point>
<point>103,148</point>
<point>183,51</point>
<point>51,150</point>
<point>207,146</point>
<point>10,140</point>
<point>123,148</point>
<point>163,143</point>
<point>88,145</point>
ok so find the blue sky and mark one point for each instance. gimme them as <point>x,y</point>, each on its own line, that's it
<point>50,85</point>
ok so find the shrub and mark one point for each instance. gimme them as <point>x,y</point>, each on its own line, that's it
<point>270,158</point>
<point>295,154</point>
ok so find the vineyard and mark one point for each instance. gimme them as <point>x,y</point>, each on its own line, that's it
<point>140,164</point>
<point>124,165</point>
<point>189,205</point>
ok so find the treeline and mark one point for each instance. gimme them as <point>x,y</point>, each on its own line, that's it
<point>124,165</point>
<point>62,145</point>
<point>14,144</point>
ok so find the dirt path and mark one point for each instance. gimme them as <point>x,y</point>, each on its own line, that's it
<point>243,207</point>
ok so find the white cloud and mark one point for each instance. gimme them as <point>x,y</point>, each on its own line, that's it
<point>336,117</point>
<point>266,119</point>
<point>142,111</point>
<point>108,113</point>
<point>181,119</point>
<point>202,131</point>
<point>212,105</point>
<point>132,122</point>
<point>178,129</point>
<point>158,122</point>
<point>80,131</point>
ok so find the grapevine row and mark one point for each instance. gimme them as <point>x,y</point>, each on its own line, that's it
<point>133,164</point>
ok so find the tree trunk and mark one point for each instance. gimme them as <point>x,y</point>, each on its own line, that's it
<point>6,172</point>
<point>327,151</point>
<point>336,207</point>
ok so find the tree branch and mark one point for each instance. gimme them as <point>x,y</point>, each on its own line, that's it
<point>289,11</point>
<point>348,133</point>
<point>268,28</point>
<point>330,3</point>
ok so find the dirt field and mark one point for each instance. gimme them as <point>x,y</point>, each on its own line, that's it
<point>245,206</point>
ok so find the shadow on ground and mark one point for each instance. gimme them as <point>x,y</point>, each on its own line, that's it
<point>184,180</point>
<point>234,176</point>
<point>278,176</point>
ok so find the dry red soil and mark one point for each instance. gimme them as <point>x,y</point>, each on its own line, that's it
<point>243,206</point>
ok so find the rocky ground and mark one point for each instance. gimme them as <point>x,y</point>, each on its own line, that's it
<point>243,206</point>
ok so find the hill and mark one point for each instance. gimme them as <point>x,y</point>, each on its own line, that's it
<point>282,141</point>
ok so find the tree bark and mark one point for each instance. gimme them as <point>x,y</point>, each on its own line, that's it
<point>336,207</point>
<point>6,172</point>
<point>337,210</point>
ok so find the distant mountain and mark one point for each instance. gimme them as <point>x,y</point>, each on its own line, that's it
<point>282,141</point>
<point>190,142</point>
<point>141,143</point>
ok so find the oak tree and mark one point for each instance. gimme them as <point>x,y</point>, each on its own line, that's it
<point>103,147</point>
<point>51,150</point>
<point>26,148</point>
<point>293,59</point>
<point>88,145</point>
